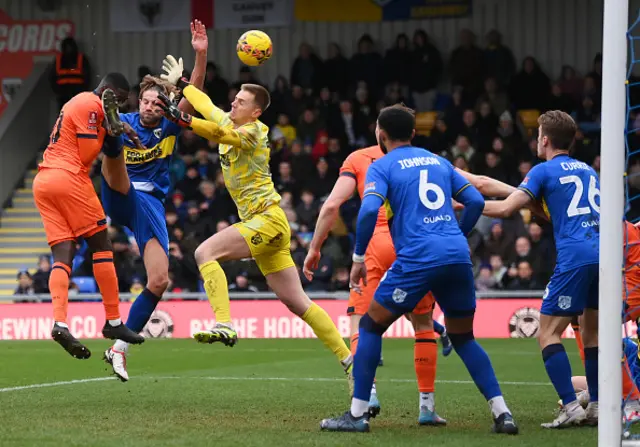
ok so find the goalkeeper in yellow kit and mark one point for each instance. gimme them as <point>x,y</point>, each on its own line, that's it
<point>263,232</point>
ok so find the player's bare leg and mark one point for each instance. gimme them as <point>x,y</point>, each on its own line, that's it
<point>551,329</point>
<point>287,286</point>
<point>114,171</point>
<point>425,360</point>
<point>63,254</point>
<point>105,274</point>
<point>156,265</point>
<point>226,245</point>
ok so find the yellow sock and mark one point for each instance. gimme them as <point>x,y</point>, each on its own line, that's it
<point>215,284</point>
<point>323,327</point>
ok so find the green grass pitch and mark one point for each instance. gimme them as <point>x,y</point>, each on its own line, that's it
<point>261,393</point>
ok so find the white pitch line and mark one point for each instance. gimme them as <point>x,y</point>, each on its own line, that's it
<point>248,379</point>
<point>51,384</point>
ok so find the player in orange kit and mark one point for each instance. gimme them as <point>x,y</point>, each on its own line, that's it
<point>379,257</point>
<point>70,208</point>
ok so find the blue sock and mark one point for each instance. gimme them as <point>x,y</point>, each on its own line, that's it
<point>558,368</point>
<point>367,357</point>
<point>478,364</point>
<point>438,327</point>
<point>591,368</point>
<point>141,310</point>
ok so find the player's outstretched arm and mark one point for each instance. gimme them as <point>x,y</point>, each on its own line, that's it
<point>200,44</point>
<point>488,187</point>
<point>342,190</point>
<point>505,208</point>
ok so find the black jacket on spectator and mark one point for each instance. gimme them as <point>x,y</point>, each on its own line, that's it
<point>426,63</point>
<point>336,71</point>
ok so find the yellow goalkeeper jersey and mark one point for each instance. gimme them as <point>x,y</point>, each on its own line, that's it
<point>244,155</point>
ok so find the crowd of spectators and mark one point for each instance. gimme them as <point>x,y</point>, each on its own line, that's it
<point>325,109</point>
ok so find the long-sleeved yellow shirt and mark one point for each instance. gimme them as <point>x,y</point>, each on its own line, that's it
<point>244,155</point>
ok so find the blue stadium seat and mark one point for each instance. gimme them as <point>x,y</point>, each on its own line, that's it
<point>86,284</point>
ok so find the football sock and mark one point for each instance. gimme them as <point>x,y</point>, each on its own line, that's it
<point>558,369</point>
<point>498,406</point>
<point>427,400</point>
<point>477,363</point>
<point>591,368</point>
<point>59,288</point>
<point>141,310</point>
<point>366,363</point>
<point>325,330</point>
<point>105,273</point>
<point>425,357</point>
<point>215,284</point>
<point>438,328</point>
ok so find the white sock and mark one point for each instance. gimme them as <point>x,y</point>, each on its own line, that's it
<point>359,407</point>
<point>373,389</point>
<point>116,322</point>
<point>121,346</point>
<point>64,325</point>
<point>498,406</point>
<point>427,400</point>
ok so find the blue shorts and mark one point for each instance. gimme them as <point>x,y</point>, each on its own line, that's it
<point>142,213</point>
<point>569,293</point>
<point>452,286</point>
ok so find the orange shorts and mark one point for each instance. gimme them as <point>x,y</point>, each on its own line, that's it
<point>378,259</point>
<point>68,205</point>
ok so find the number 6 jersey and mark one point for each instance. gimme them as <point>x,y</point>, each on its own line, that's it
<point>417,187</point>
<point>570,191</point>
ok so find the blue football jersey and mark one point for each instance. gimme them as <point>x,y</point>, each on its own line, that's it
<point>417,187</point>
<point>149,169</point>
<point>570,192</point>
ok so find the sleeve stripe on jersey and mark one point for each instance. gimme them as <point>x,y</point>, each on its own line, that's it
<point>462,189</point>
<point>522,188</point>
<point>375,194</point>
<point>88,136</point>
<point>348,174</point>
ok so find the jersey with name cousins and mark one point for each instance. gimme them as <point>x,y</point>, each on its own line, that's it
<point>570,190</point>
<point>417,187</point>
<point>149,168</point>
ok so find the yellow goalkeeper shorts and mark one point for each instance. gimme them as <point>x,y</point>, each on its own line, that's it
<point>268,236</point>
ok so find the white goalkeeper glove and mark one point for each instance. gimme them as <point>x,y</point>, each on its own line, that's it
<point>173,69</point>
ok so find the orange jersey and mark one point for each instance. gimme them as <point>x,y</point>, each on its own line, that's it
<point>356,166</point>
<point>77,136</point>
<point>632,260</point>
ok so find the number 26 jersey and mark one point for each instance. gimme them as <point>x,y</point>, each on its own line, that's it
<point>570,192</point>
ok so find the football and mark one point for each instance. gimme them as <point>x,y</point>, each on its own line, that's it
<point>254,48</point>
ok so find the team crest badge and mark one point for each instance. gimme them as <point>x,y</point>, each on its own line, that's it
<point>10,87</point>
<point>150,11</point>
<point>399,296</point>
<point>564,302</point>
<point>157,132</point>
<point>256,239</point>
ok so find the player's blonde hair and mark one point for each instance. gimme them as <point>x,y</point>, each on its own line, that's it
<point>160,85</point>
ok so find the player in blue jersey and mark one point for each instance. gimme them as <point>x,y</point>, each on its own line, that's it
<point>135,185</point>
<point>432,254</point>
<point>570,191</point>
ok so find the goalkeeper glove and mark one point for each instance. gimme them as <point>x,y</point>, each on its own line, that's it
<point>173,70</point>
<point>172,112</point>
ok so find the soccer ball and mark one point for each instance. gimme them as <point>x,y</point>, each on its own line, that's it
<point>254,48</point>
